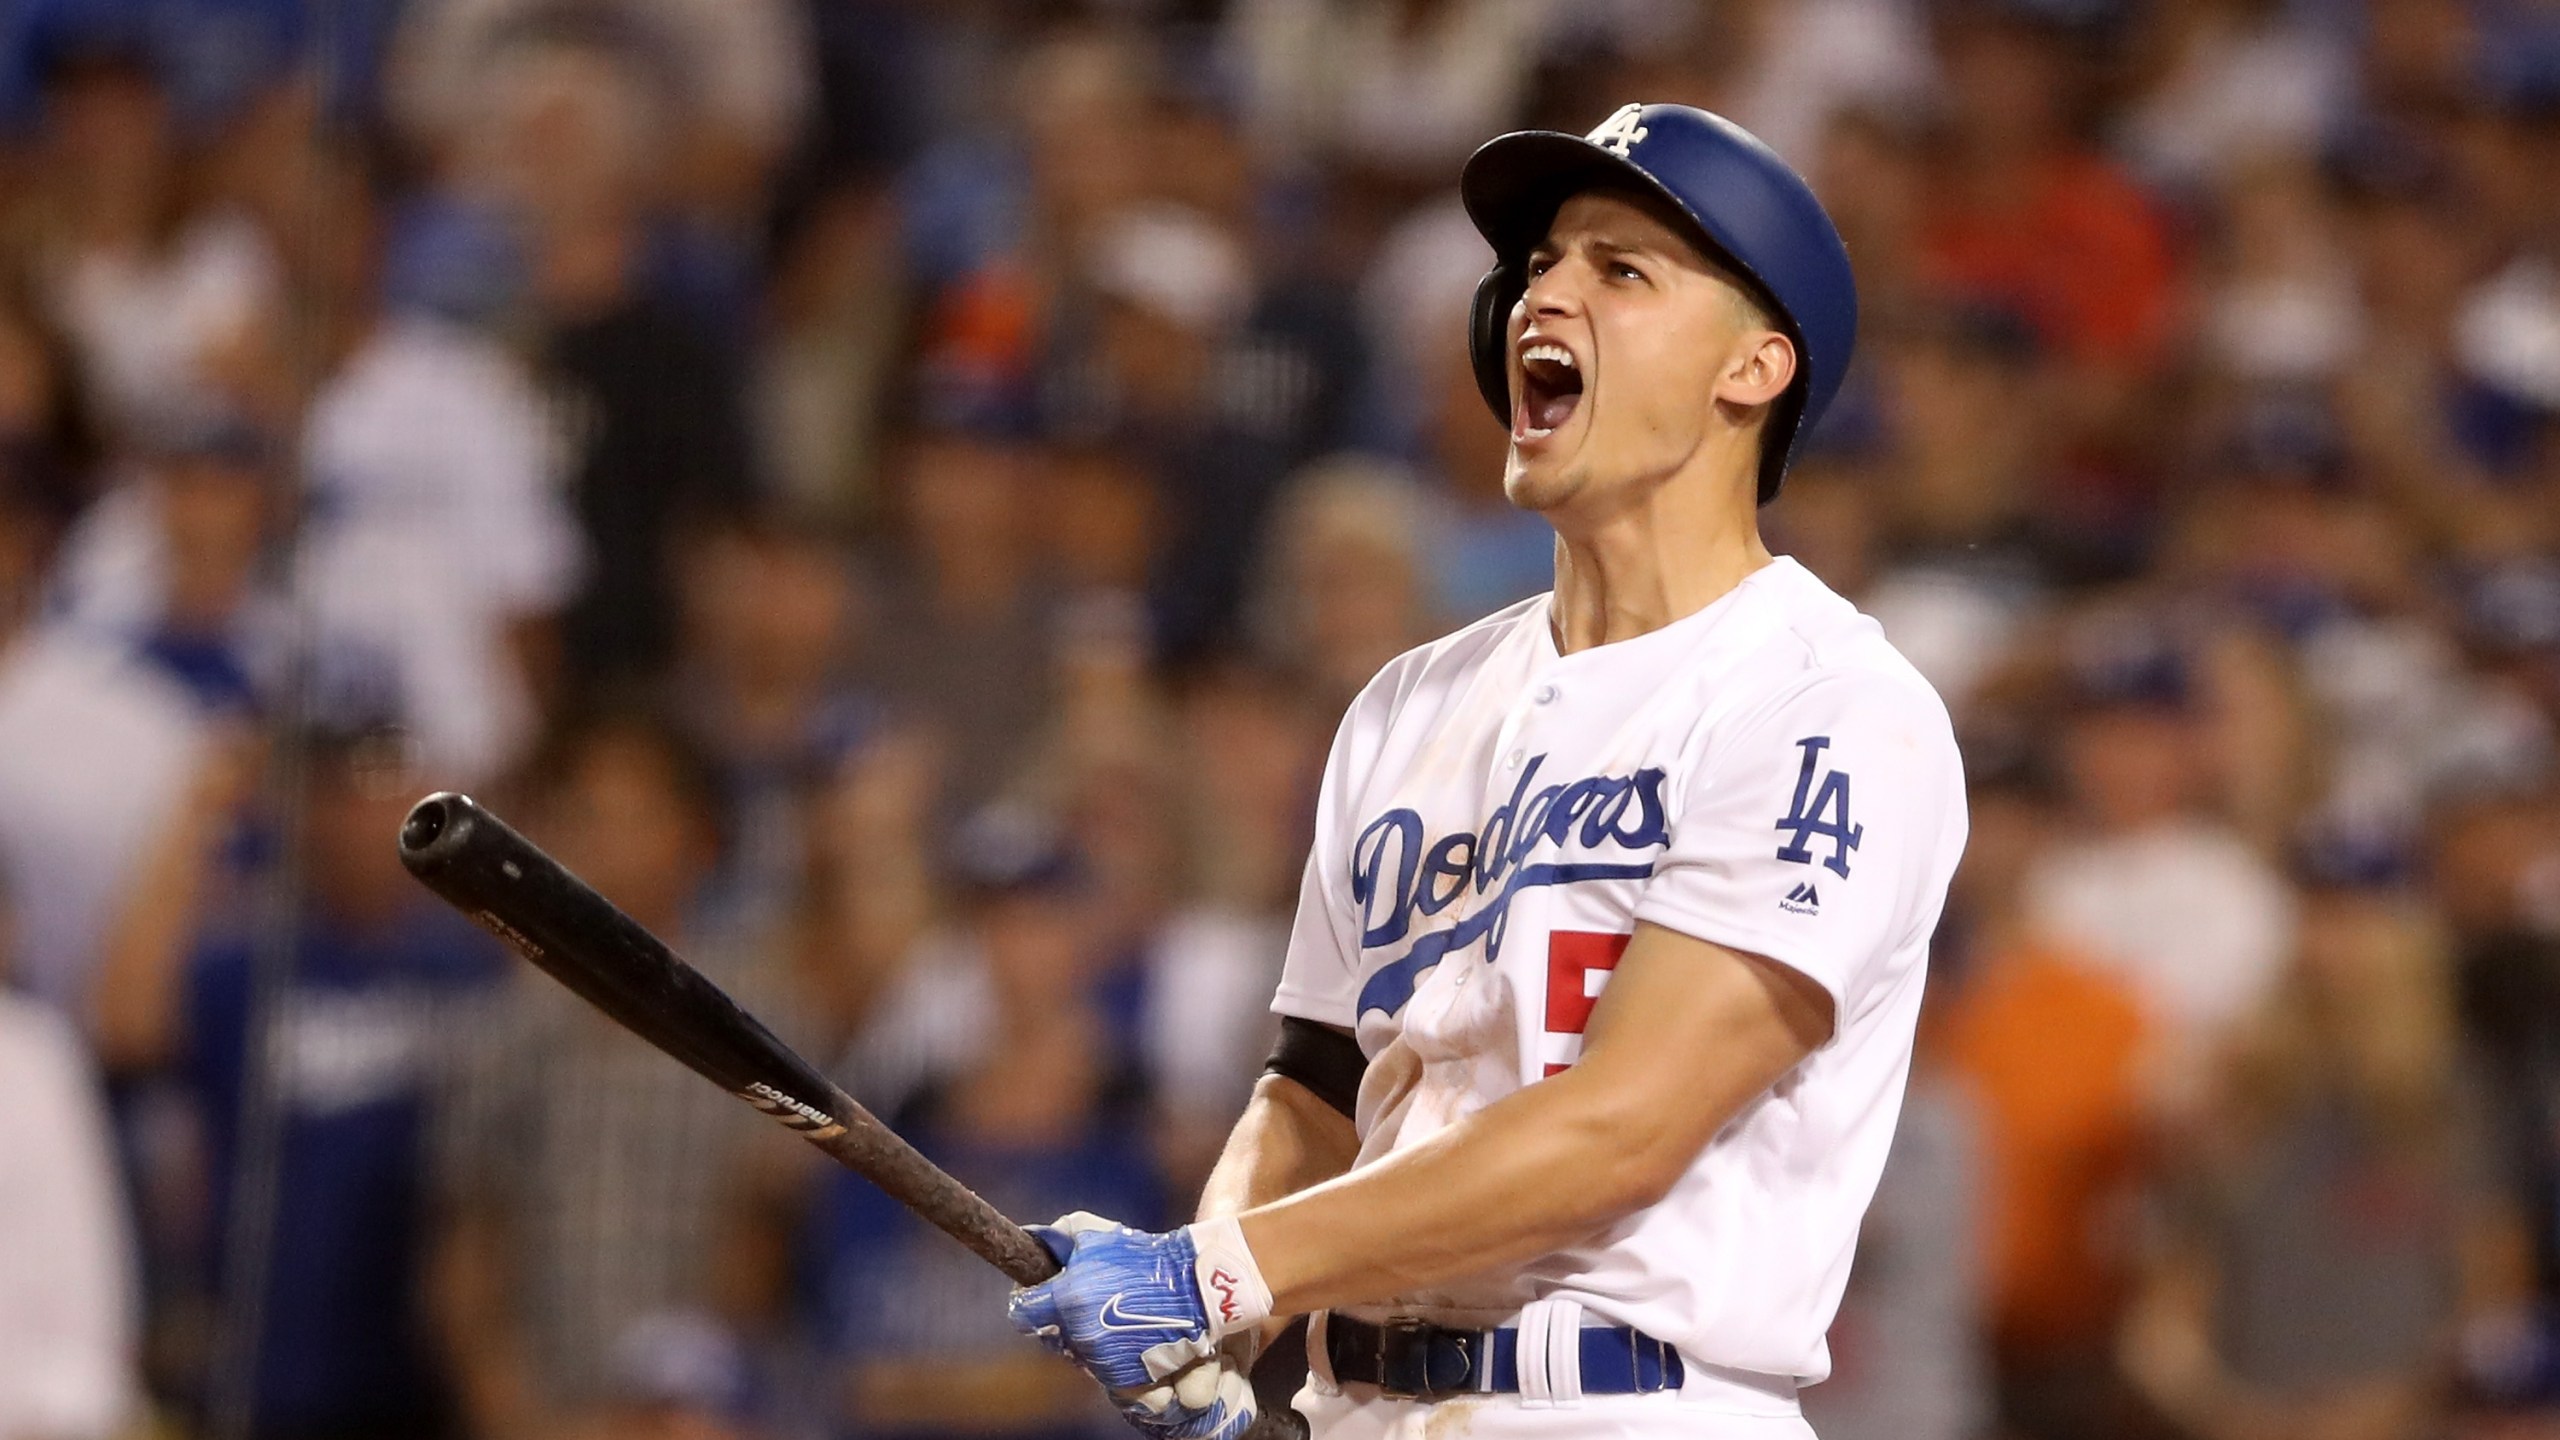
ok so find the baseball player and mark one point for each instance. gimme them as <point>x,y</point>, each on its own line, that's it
<point>1599,1004</point>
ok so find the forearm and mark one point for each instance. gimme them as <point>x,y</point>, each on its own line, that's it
<point>1524,1177</point>
<point>1287,1141</point>
<point>1688,1035</point>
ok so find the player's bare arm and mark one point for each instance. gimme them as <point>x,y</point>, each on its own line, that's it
<point>1686,1036</point>
<point>1288,1140</point>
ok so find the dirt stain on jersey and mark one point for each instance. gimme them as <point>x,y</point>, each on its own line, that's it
<point>1450,1420</point>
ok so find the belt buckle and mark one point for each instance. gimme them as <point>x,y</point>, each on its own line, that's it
<point>1400,1340</point>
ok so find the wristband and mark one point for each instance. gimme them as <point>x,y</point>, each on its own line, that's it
<point>1232,1291</point>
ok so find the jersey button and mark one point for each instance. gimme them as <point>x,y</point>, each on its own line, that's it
<point>1512,760</point>
<point>1546,695</point>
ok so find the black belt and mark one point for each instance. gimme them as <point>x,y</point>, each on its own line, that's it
<point>1412,1360</point>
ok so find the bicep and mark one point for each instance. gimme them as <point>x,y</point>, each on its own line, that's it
<point>1689,1032</point>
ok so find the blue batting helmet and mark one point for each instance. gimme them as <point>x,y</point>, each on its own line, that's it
<point>1752,213</point>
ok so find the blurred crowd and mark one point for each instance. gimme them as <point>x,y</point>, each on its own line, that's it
<point>896,493</point>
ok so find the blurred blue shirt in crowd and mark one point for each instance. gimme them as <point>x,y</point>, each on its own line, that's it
<point>344,1347</point>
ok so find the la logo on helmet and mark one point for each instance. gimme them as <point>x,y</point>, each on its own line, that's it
<point>1620,132</point>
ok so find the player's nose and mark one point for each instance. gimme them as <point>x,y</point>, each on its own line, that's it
<point>1553,291</point>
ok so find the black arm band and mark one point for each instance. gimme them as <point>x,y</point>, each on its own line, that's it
<point>1323,1059</point>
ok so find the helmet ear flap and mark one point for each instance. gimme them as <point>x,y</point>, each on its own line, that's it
<point>1489,333</point>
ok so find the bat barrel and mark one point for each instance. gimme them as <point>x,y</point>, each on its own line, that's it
<point>478,864</point>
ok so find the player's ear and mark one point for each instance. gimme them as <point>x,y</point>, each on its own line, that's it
<point>1763,364</point>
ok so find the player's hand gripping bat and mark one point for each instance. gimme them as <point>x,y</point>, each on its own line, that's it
<point>479,865</point>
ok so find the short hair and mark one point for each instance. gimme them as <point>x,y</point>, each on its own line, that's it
<point>1753,314</point>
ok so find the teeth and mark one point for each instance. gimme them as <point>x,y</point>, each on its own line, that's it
<point>1553,353</point>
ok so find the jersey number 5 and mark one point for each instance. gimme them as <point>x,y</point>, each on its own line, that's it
<point>1578,966</point>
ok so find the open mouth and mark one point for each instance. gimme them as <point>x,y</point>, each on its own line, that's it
<point>1550,388</point>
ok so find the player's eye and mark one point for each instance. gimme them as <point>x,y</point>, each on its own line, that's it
<point>1620,269</point>
<point>1540,265</point>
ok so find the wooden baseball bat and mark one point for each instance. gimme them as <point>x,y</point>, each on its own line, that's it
<point>481,866</point>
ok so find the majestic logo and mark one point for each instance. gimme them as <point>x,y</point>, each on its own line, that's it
<point>1395,878</point>
<point>1114,1317</point>
<point>1620,132</point>
<point>1821,810</point>
<point>1802,900</point>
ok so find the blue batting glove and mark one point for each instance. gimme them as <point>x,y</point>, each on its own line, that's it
<point>1125,1304</point>
<point>1126,1307</point>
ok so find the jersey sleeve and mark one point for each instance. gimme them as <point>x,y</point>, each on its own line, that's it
<point>1818,832</point>
<point>1320,978</point>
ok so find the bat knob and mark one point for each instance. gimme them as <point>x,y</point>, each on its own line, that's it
<point>435,825</point>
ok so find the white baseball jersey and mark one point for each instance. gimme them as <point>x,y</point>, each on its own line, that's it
<point>1767,774</point>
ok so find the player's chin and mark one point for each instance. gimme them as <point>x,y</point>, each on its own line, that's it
<point>1544,465</point>
<point>1537,482</point>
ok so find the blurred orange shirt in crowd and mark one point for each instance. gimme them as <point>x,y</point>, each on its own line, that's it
<point>2052,1050</point>
<point>2083,256</point>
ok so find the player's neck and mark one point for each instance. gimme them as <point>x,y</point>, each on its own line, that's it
<point>1673,552</point>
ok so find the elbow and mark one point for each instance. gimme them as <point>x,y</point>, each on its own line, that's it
<point>1642,1179</point>
<point>1624,1160</point>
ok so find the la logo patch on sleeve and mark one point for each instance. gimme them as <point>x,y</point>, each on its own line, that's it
<point>1820,812</point>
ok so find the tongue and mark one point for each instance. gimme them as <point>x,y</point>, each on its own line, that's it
<point>1547,410</point>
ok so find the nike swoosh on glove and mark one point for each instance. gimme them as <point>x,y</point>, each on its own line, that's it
<point>1127,1308</point>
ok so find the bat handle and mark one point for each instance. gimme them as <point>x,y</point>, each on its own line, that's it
<point>867,1147</point>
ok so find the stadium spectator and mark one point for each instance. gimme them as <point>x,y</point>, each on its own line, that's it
<point>1343,588</point>
<point>582,1172</point>
<point>143,285</point>
<point>95,747</point>
<point>70,1339</point>
<point>171,563</point>
<point>2148,883</point>
<point>1907,1349</point>
<point>743,67</point>
<point>1485,552</point>
<point>435,527</point>
<point>962,635</point>
<point>770,623</point>
<point>567,146</point>
<point>2228,82</point>
<point>1398,91</point>
<point>679,1375</point>
<point>2315,1274</point>
<point>2027,216</point>
<point>2487,872</point>
<point>1001,1061</point>
<point>2053,1053</point>
<point>351,1000</point>
<point>1248,747</point>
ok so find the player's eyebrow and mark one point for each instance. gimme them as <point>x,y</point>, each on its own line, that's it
<point>1607,245</point>
<point>1603,243</point>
